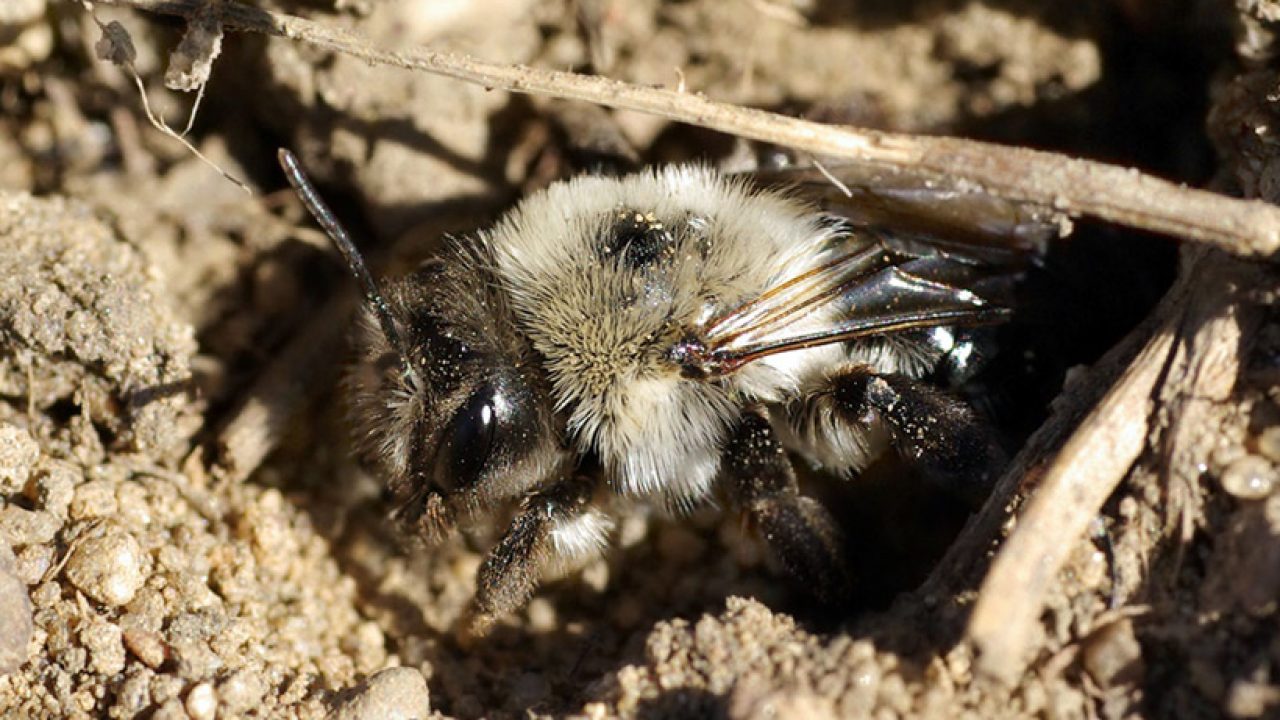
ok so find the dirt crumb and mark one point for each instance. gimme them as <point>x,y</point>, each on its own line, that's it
<point>18,452</point>
<point>394,693</point>
<point>108,568</point>
<point>81,314</point>
<point>15,614</point>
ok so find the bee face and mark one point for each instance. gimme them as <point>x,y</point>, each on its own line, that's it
<point>469,420</point>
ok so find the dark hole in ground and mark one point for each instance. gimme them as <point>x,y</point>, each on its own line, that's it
<point>62,411</point>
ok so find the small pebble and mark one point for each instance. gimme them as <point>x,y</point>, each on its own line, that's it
<point>1112,655</point>
<point>398,693</point>
<point>18,452</point>
<point>266,524</point>
<point>108,568</point>
<point>1250,477</point>
<point>146,646</point>
<point>1249,698</point>
<point>369,647</point>
<point>170,709</point>
<point>242,691</point>
<point>134,694</point>
<point>1269,443</point>
<point>764,704</point>
<point>632,530</point>
<point>54,486</point>
<point>202,702</point>
<point>15,615</point>
<point>166,689</point>
<point>34,562</point>
<point>893,693</point>
<point>595,576</point>
<point>94,499</point>
<point>46,594</point>
<point>134,505</point>
<point>83,701</point>
<point>542,615</point>
<point>105,645</point>
<point>21,527</point>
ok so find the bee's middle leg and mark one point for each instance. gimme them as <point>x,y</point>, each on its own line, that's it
<point>803,537</point>
<point>556,528</point>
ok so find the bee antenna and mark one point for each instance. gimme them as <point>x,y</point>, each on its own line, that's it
<point>341,240</point>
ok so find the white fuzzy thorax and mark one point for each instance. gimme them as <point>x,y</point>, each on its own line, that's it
<point>603,327</point>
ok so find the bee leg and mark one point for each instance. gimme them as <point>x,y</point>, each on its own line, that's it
<point>556,529</point>
<point>932,430</point>
<point>801,534</point>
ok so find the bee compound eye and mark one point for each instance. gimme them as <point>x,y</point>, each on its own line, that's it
<point>468,440</point>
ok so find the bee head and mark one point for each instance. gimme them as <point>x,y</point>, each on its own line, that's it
<point>457,417</point>
<point>448,403</point>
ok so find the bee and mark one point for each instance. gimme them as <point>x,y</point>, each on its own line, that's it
<point>669,336</point>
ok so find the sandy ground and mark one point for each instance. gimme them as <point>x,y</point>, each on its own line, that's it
<point>154,564</point>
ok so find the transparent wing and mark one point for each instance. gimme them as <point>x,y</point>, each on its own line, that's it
<point>965,219</point>
<point>923,252</point>
<point>872,283</point>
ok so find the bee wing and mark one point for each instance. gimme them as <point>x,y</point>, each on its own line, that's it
<point>871,283</point>
<point>966,220</point>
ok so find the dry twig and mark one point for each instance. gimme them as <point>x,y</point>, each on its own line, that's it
<point>1072,491</point>
<point>1073,186</point>
<point>116,46</point>
<point>1187,368</point>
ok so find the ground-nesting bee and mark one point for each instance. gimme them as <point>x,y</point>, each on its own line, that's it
<point>670,335</point>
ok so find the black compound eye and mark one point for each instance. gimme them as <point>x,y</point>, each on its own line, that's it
<point>469,440</point>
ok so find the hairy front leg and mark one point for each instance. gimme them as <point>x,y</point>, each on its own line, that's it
<point>556,529</point>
